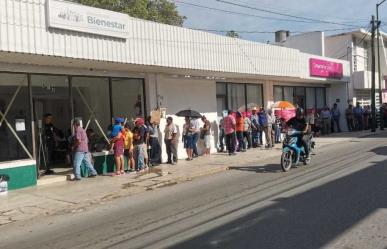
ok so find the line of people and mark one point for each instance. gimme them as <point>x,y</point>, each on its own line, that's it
<point>241,131</point>
<point>359,118</point>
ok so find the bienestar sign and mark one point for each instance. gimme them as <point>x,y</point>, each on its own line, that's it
<point>79,18</point>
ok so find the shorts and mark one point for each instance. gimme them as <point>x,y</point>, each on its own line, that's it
<point>128,154</point>
<point>118,150</point>
<point>207,141</point>
<point>189,141</point>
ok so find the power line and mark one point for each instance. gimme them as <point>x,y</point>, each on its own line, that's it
<point>241,13</point>
<point>266,32</point>
<point>289,10</point>
<point>282,14</point>
<point>358,43</point>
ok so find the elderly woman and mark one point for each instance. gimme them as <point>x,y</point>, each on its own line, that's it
<point>206,131</point>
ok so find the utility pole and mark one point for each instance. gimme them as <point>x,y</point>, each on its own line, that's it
<point>373,109</point>
<point>379,71</point>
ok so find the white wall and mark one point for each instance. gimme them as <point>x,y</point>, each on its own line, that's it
<point>337,46</point>
<point>177,94</point>
<point>334,92</point>
<point>23,29</point>
<point>311,42</point>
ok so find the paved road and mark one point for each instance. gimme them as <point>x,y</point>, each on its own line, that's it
<point>339,201</point>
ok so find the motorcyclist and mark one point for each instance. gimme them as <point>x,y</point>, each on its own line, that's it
<point>299,123</point>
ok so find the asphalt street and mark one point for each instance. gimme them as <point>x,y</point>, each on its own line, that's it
<point>339,201</point>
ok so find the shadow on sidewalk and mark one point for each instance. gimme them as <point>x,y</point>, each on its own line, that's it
<point>380,151</point>
<point>310,219</point>
<point>269,168</point>
<point>354,134</point>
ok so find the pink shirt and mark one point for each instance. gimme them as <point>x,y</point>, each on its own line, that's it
<point>81,136</point>
<point>229,123</point>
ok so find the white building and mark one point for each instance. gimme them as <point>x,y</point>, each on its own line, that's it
<point>354,47</point>
<point>75,61</point>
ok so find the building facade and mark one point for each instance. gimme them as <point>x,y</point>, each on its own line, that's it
<point>355,47</point>
<point>74,61</point>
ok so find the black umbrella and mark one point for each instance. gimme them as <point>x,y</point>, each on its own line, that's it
<point>189,113</point>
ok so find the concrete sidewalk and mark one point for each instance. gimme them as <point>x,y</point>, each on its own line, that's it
<point>70,197</point>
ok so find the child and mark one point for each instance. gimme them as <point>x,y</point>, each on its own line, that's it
<point>128,145</point>
<point>118,145</point>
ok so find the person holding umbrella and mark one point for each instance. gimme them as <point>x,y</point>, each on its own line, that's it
<point>194,127</point>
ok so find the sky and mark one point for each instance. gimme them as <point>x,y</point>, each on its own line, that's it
<point>348,12</point>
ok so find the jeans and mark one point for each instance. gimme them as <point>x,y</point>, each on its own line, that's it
<point>138,155</point>
<point>79,158</point>
<point>277,134</point>
<point>221,139</point>
<point>230,141</point>
<point>171,150</point>
<point>241,142</point>
<point>247,136</point>
<point>350,124</point>
<point>195,141</point>
<point>155,153</point>
<point>326,126</point>
<point>337,122</point>
<point>255,138</point>
<point>359,122</point>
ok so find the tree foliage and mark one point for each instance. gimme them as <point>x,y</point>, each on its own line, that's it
<point>161,11</point>
<point>233,34</point>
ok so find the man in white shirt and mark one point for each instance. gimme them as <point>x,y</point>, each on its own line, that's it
<point>195,124</point>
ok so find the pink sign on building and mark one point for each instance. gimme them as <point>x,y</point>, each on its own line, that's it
<point>325,69</point>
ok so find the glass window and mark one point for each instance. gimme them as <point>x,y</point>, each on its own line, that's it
<point>92,103</point>
<point>299,98</point>
<point>50,95</point>
<point>254,96</point>
<point>278,93</point>
<point>320,98</point>
<point>289,94</point>
<point>310,98</point>
<point>221,105</point>
<point>221,89</point>
<point>128,98</point>
<point>15,118</point>
<point>236,96</point>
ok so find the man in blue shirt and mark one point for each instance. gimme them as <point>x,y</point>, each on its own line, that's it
<point>358,114</point>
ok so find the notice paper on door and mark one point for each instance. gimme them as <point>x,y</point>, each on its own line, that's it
<point>20,124</point>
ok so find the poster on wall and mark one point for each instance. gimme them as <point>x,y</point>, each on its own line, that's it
<point>155,116</point>
<point>20,124</point>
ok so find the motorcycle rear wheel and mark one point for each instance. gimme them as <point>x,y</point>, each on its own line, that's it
<point>286,161</point>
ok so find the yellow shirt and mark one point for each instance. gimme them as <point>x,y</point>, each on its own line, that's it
<point>128,139</point>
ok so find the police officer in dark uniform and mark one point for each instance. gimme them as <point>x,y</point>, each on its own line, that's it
<point>49,138</point>
<point>300,123</point>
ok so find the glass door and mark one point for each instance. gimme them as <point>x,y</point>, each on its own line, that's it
<point>52,114</point>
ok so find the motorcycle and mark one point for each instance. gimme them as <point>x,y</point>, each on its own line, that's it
<point>292,154</point>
